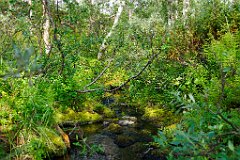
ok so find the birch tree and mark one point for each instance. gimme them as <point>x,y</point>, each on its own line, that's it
<point>172,12</point>
<point>115,23</point>
<point>186,5</point>
<point>46,26</point>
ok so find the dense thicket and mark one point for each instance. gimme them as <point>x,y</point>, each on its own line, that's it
<point>181,56</point>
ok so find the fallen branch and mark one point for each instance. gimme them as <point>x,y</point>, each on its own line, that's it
<point>65,137</point>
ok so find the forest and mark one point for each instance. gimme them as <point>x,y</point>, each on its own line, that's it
<point>119,79</point>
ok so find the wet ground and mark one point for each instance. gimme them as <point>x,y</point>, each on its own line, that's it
<point>124,138</point>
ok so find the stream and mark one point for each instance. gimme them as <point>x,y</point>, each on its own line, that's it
<point>126,137</point>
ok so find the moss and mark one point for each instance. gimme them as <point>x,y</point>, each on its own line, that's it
<point>114,128</point>
<point>99,108</point>
<point>159,116</point>
<point>55,143</point>
<point>104,110</point>
<point>88,117</point>
<point>67,115</point>
<point>90,104</point>
<point>152,114</point>
<point>80,117</point>
<point>172,127</point>
<point>145,132</point>
<point>108,113</point>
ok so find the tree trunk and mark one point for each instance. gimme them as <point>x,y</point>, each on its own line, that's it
<point>186,5</point>
<point>30,15</point>
<point>172,12</point>
<point>115,23</point>
<point>130,11</point>
<point>30,10</point>
<point>46,26</point>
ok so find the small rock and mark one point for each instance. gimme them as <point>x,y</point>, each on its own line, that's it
<point>106,123</point>
<point>127,121</point>
<point>131,118</point>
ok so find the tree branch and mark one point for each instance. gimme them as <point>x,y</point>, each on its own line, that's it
<point>154,55</point>
<point>235,128</point>
<point>135,76</point>
<point>100,75</point>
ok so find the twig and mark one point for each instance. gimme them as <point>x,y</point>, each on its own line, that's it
<point>100,75</point>
<point>148,150</point>
<point>75,126</point>
<point>230,133</point>
<point>89,90</point>
<point>226,120</point>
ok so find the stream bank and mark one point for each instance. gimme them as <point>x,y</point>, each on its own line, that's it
<point>125,137</point>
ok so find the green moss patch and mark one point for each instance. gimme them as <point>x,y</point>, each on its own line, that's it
<point>114,128</point>
<point>159,116</point>
<point>80,117</point>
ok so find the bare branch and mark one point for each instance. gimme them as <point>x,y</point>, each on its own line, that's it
<point>127,81</point>
<point>135,76</point>
<point>90,90</point>
<point>100,75</point>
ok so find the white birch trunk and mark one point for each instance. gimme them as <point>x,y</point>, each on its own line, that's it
<point>46,27</point>
<point>176,9</point>
<point>130,11</point>
<point>172,12</point>
<point>186,5</point>
<point>115,23</point>
<point>30,11</point>
<point>30,14</point>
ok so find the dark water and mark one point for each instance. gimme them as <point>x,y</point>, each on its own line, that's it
<point>130,142</point>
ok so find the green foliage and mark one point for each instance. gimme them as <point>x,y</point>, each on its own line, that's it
<point>40,143</point>
<point>208,130</point>
<point>203,132</point>
<point>88,150</point>
<point>224,54</point>
<point>2,151</point>
<point>196,74</point>
<point>159,116</point>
